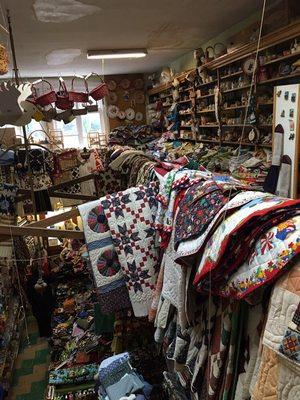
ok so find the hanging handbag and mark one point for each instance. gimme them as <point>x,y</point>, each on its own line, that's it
<point>63,102</point>
<point>100,91</point>
<point>76,96</point>
<point>44,99</point>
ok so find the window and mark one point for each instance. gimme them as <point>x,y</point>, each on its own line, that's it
<point>71,132</point>
<point>76,133</point>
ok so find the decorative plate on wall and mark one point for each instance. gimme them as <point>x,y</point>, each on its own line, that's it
<point>121,115</point>
<point>138,83</point>
<point>125,83</point>
<point>139,97</point>
<point>113,97</point>
<point>130,114</point>
<point>248,66</point>
<point>112,111</point>
<point>139,116</point>
<point>112,85</point>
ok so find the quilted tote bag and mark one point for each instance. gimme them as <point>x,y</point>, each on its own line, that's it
<point>63,101</point>
<point>100,91</point>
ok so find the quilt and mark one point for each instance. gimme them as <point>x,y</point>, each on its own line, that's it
<point>279,371</point>
<point>106,269</point>
<point>130,216</point>
<point>187,249</point>
<point>277,379</point>
<point>270,256</point>
<point>282,333</point>
<point>172,275</point>
<point>200,204</point>
<point>226,246</point>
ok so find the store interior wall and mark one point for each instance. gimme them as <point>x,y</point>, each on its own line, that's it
<point>187,61</point>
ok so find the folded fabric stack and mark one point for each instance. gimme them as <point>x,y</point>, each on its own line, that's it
<point>132,135</point>
<point>73,375</point>
<point>119,380</point>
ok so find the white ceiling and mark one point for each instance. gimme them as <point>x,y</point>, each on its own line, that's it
<point>167,28</point>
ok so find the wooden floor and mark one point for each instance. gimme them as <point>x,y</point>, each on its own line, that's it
<point>31,367</point>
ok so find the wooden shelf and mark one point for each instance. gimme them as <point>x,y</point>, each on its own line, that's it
<point>209,141</point>
<point>233,108</point>
<point>235,89</point>
<point>268,103</point>
<point>205,96</point>
<point>209,126</point>
<point>245,144</point>
<point>232,75</point>
<point>279,78</point>
<point>159,89</point>
<point>279,59</point>
<point>187,113</point>
<point>207,83</point>
<point>183,101</point>
<point>205,111</point>
<point>237,126</point>
<point>246,126</point>
<point>186,90</point>
<point>270,40</point>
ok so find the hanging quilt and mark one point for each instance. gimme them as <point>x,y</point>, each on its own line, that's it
<point>190,247</point>
<point>279,369</point>
<point>271,254</point>
<point>225,250</point>
<point>200,204</point>
<point>130,216</point>
<point>109,181</point>
<point>108,277</point>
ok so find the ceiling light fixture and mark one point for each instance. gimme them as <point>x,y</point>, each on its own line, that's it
<point>115,54</point>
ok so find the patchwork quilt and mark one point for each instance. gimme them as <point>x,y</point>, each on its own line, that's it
<point>277,379</point>
<point>130,216</point>
<point>282,333</point>
<point>279,371</point>
<point>269,257</point>
<point>200,204</point>
<point>225,249</point>
<point>106,269</point>
<point>192,246</point>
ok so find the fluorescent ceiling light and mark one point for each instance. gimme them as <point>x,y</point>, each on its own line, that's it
<point>115,54</point>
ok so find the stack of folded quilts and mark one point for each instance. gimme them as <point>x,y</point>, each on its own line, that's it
<point>119,380</point>
<point>132,135</point>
